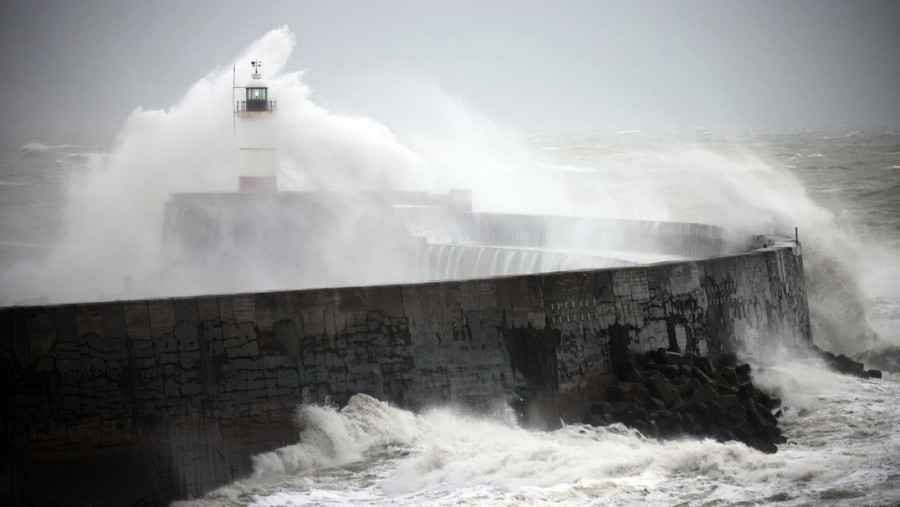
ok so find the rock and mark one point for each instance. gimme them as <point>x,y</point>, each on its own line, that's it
<point>672,395</point>
<point>626,391</point>
<point>686,390</point>
<point>766,415</point>
<point>729,401</point>
<point>630,414</point>
<point>842,363</point>
<point>846,365</point>
<point>884,358</point>
<point>725,389</point>
<point>661,389</point>
<point>704,365</point>
<point>646,361</point>
<point>873,373</point>
<point>668,423</point>
<point>598,420</point>
<point>693,424</point>
<point>725,435</point>
<point>629,372</point>
<point>727,360</point>
<point>745,392</point>
<point>655,403</point>
<point>700,375</point>
<point>728,375</point>
<point>733,413</point>
<point>673,357</point>
<point>617,408</point>
<point>670,370</point>
<point>602,407</point>
<point>699,417</point>
<point>770,402</point>
<point>705,394</point>
<point>646,427</point>
<point>657,356</point>
<point>766,447</point>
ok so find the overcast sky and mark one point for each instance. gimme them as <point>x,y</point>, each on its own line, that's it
<point>74,70</point>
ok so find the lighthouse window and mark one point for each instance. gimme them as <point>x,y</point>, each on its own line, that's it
<point>256,94</point>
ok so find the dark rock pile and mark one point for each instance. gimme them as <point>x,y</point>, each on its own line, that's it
<point>845,365</point>
<point>665,394</point>
<point>886,358</point>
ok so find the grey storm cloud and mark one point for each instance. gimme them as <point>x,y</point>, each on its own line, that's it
<point>74,70</point>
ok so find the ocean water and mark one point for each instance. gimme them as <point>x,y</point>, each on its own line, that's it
<point>843,433</point>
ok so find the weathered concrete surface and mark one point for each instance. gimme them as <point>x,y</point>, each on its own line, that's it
<point>140,402</point>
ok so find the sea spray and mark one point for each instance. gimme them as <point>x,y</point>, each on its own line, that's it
<point>331,437</point>
<point>114,212</point>
<point>447,451</point>
<point>729,186</point>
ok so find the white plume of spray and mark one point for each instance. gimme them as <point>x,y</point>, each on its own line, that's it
<point>721,184</point>
<point>747,196</point>
<point>446,450</point>
<point>114,212</point>
<point>331,437</point>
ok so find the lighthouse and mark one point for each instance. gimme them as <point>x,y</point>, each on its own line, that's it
<point>253,236</point>
<point>256,158</point>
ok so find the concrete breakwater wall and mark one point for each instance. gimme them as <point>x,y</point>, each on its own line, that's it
<point>141,402</point>
<point>520,244</point>
<point>410,237</point>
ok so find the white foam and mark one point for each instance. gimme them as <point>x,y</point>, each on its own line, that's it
<point>333,438</point>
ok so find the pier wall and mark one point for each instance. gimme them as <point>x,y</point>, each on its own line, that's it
<point>142,402</point>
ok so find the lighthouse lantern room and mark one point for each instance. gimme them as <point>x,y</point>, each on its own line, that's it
<point>256,95</point>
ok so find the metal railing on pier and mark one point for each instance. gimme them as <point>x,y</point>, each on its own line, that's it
<point>245,106</point>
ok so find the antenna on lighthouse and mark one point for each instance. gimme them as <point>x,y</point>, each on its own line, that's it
<point>256,66</point>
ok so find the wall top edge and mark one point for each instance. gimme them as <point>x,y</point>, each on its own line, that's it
<point>767,248</point>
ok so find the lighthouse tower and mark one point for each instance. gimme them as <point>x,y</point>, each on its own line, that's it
<point>257,159</point>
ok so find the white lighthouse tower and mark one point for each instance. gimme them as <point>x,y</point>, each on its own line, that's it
<point>257,159</point>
